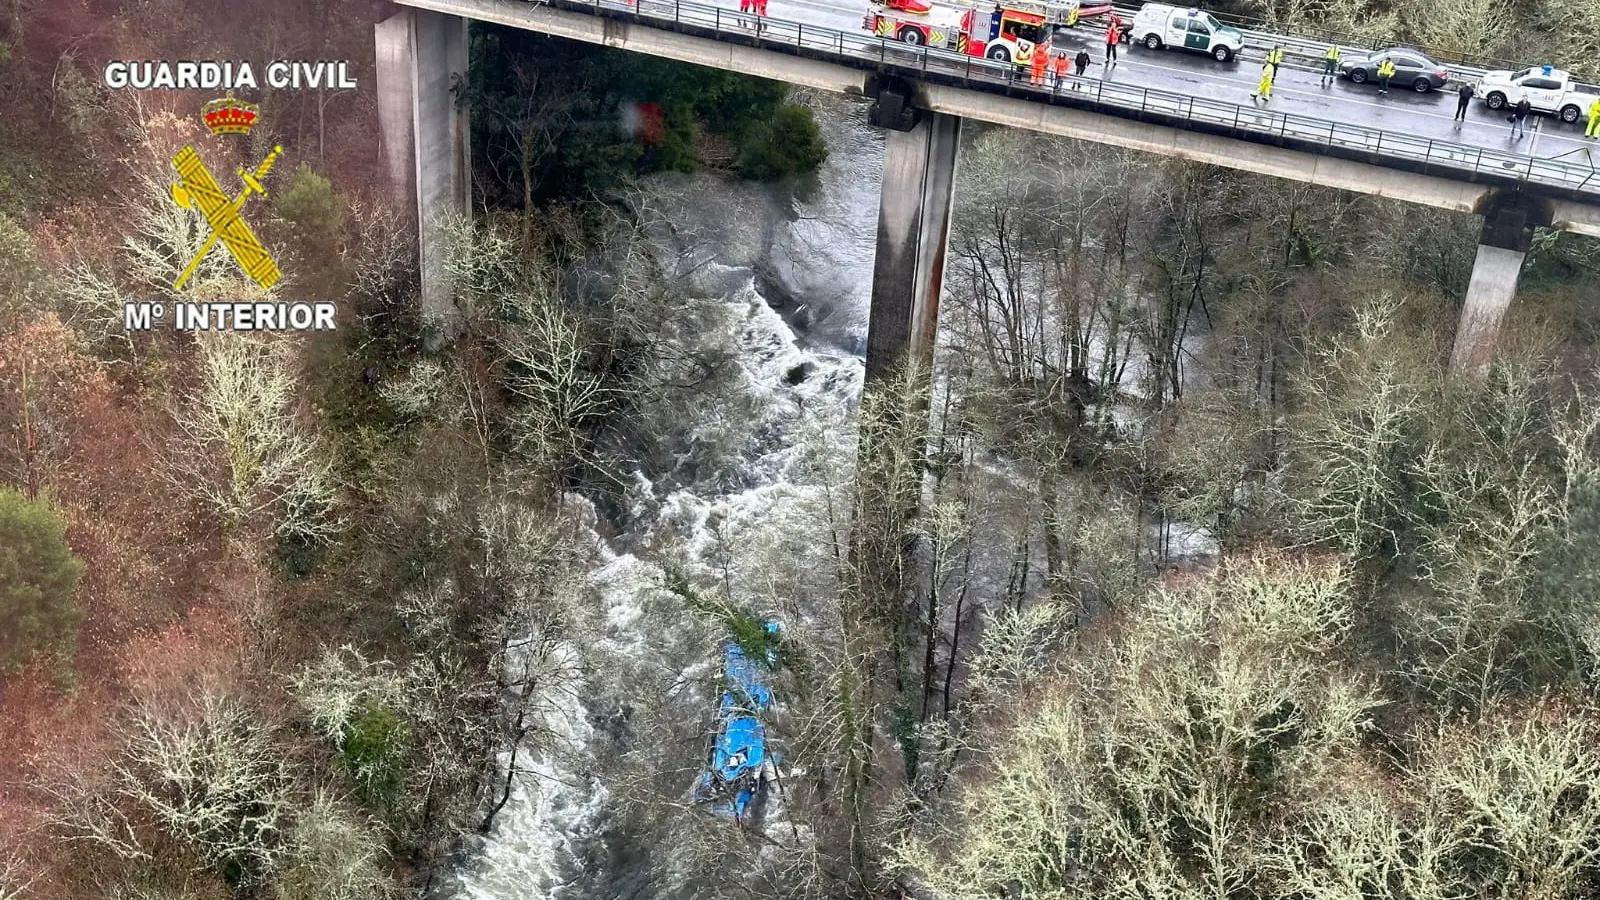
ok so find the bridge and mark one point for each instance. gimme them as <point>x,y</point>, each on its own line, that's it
<point>1168,103</point>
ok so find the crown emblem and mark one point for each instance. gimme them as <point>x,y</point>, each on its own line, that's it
<point>229,116</point>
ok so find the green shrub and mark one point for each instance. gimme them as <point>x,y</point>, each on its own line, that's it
<point>19,266</point>
<point>374,753</point>
<point>298,557</point>
<point>583,92</point>
<point>746,629</point>
<point>310,205</point>
<point>787,143</point>
<point>38,574</point>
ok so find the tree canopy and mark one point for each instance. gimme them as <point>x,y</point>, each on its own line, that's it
<point>37,576</point>
<point>562,120</point>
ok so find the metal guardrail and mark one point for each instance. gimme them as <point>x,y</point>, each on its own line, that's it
<point>864,50</point>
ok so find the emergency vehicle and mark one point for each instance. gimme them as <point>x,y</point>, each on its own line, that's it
<point>1008,32</point>
<point>1546,88</point>
<point>1158,25</point>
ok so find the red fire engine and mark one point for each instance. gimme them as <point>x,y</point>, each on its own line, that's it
<point>1009,32</point>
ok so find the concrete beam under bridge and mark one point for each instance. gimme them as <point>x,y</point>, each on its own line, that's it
<point>652,41</point>
<point>425,135</point>
<point>1218,150</point>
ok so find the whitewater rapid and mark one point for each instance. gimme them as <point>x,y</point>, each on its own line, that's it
<point>752,270</point>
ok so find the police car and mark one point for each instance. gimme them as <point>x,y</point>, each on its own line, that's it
<point>1547,89</point>
<point>1158,25</point>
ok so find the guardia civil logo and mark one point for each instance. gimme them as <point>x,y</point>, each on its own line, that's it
<point>199,191</point>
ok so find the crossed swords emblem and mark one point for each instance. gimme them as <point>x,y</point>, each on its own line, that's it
<point>199,191</point>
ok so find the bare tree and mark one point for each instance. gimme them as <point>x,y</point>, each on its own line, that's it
<point>1469,27</point>
<point>14,883</point>
<point>1360,426</point>
<point>561,395</point>
<point>241,448</point>
<point>338,855</point>
<point>211,775</point>
<point>1149,766</point>
<point>164,237</point>
<point>1499,807</point>
<point>1515,800</point>
<point>204,770</point>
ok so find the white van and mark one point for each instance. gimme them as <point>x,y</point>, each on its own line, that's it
<point>1158,25</point>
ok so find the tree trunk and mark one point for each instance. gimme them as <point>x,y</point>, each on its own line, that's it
<point>527,198</point>
<point>955,631</point>
<point>930,632</point>
<point>519,731</point>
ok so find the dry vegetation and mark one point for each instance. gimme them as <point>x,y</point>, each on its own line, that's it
<point>328,581</point>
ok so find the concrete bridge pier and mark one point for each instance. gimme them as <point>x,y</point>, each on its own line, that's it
<point>917,192</point>
<point>425,134</point>
<point>1508,223</point>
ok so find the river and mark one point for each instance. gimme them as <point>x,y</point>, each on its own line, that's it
<point>790,289</point>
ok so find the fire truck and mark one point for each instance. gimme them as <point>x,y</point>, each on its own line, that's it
<point>1008,32</point>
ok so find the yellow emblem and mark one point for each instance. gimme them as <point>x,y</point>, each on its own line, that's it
<point>200,191</point>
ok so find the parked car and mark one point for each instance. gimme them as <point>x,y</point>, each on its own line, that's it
<point>1158,25</point>
<point>1548,89</point>
<point>1411,69</point>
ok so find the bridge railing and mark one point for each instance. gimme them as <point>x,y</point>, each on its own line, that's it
<point>1447,158</point>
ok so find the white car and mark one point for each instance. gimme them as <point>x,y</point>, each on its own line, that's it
<point>1547,89</point>
<point>1158,25</point>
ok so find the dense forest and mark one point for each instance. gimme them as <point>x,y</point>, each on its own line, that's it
<point>1184,569</point>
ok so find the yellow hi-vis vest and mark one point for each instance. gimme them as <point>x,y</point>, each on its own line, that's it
<point>1333,53</point>
<point>1386,69</point>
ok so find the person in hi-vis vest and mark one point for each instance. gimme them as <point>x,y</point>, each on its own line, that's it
<point>1264,88</point>
<point>1385,72</point>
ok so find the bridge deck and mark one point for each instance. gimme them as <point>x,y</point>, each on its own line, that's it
<point>1438,172</point>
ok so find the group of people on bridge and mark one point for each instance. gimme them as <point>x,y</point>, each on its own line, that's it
<point>1047,63</point>
<point>1055,63</point>
<point>1386,70</point>
<point>1268,73</point>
